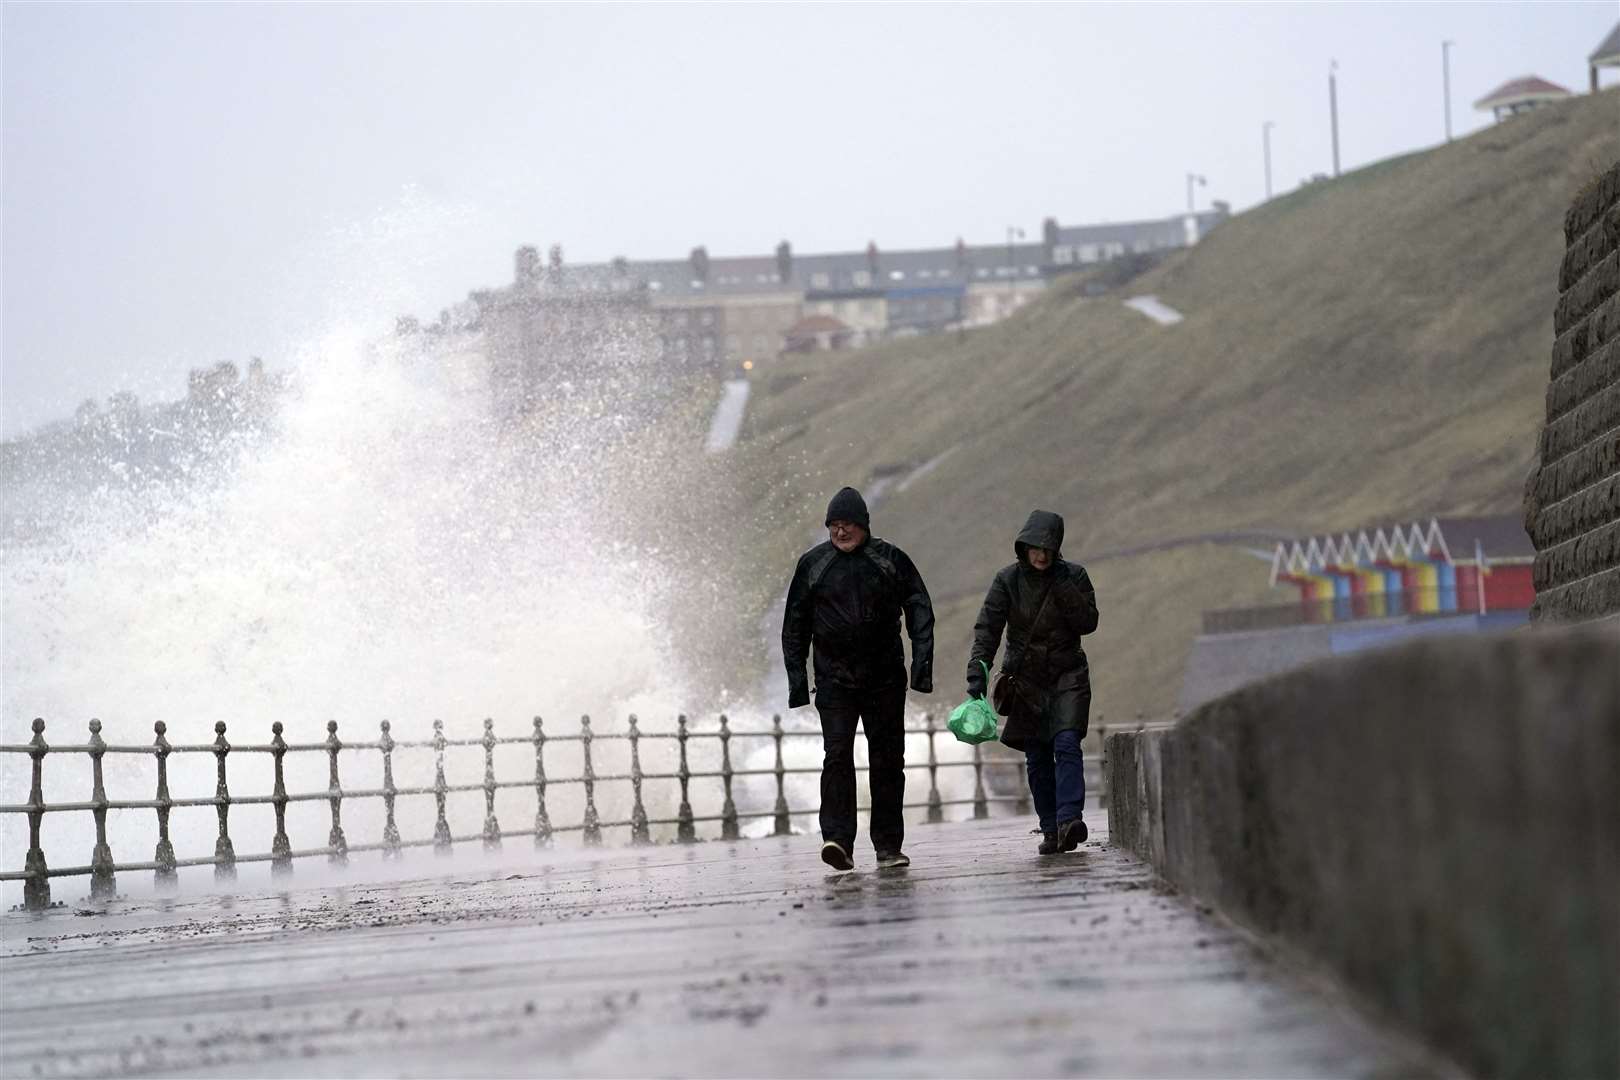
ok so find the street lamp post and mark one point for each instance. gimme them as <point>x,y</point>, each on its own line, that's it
<point>1333,111</point>
<point>1445,79</point>
<point>1012,267</point>
<point>1193,178</point>
<point>1265,138</point>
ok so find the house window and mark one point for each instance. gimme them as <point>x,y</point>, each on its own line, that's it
<point>863,278</point>
<point>706,319</point>
<point>897,275</point>
<point>655,285</point>
<point>731,343</point>
<point>925,273</point>
<point>1063,255</point>
<point>819,281</point>
<point>982,272</point>
<point>759,342</point>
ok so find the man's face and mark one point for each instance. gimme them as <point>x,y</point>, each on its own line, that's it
<point>1039,558</point>
<point>845,535</point>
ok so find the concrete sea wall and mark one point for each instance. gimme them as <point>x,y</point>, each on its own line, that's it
<point>1438,824</point>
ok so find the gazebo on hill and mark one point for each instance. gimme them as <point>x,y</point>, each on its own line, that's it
<point>1520,95</point>
<point>1605,55</point>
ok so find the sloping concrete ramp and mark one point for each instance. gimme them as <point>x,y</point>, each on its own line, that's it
<point>746,959</point>
<point>728,416</point>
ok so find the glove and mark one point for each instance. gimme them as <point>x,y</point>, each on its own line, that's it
<point>923,684</point>
<point>798,693</point>
<point>975,682</point>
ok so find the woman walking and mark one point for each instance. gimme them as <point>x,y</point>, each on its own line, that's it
<point>1044,689</point>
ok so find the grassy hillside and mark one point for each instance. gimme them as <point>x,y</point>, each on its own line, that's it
<point>1365,348</point>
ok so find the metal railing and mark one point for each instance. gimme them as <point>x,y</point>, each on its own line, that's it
<point>103,870</point>
<point>1407,603</point>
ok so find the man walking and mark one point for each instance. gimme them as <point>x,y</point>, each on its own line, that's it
<point>847,597</point>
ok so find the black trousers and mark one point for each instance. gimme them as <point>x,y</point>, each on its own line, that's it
<point>882,715</point>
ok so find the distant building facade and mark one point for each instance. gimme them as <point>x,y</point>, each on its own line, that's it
<point>713,315</point>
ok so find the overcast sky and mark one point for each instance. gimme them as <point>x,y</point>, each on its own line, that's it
<point>185,184</point>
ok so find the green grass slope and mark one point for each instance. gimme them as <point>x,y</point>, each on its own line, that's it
<point>1362,349</point>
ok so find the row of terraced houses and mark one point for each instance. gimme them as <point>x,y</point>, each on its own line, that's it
<point>722,315</point>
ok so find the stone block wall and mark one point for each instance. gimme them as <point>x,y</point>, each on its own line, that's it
<point>1572,498</point>
<point>1438,824</point>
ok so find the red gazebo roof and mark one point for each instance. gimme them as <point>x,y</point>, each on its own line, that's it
<point>1520,91</point>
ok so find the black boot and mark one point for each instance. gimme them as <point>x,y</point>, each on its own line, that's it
<point>1049,844</point>
<point>1071,834</point>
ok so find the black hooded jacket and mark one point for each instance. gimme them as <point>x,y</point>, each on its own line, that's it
<point>849,604</point>
<point>1047,655</point>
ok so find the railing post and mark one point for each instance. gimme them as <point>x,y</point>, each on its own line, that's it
<point>492,828</point>
<point>339,855</point>
<point>441,828</point>
<point>36,888</point>
<point>224,853</point>
<point>981,804</point>
<point>391,844</point>
<point>281,864</point>
<point>936,807</point>
<point>685,829</point>
<point>640,832</point>
<point>784,823</point>
<point>103,884</point>
<point>728,812</point>
<point>542,820</point>
<point>592,832</point>
<point>1102,763</point>
<point>166,876</point>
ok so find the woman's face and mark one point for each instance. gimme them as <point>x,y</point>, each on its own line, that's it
<point>1039,558</point>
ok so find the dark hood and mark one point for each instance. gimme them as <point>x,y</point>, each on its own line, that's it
<point>1044,529</point>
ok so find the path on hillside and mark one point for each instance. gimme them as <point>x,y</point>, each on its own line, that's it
<point>728,416</point>
<point>716,960</point>
<point>1155,309</point>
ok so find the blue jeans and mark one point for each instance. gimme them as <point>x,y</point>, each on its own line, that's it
<point>1057,779</point>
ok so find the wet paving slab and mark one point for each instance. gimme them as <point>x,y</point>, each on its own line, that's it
<point>745,959</point>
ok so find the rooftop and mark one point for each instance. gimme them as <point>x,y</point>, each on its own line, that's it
<point>1526,90</point>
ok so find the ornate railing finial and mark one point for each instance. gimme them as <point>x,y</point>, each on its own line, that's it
<point>103,885</point>
<point>391,839</point>
<point>542,820</point>
<point>492,828</point>
<point>728,812</point>
<point>224,853</point>
<point>339,855</point>
<point>784,823</point>
<point>936,807</point>
<point>685,829</point>
<point>639,831</point>
<point>441,827</point>
<point>280,846</point>
<point>593,824</point>
<point>167,875</point>
<point>37,888</point>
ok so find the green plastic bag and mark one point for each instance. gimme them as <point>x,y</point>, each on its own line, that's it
<point>974,721</point>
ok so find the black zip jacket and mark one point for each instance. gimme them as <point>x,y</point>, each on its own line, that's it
<point>849,606</point>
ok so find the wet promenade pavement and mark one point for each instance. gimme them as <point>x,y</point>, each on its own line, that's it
<point>714,960</point>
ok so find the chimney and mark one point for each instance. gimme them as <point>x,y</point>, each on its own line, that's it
<point>699,260</point>
<point>784,262</point>
<point>1049,239</point>
<point>872,258</point>
<point>526,272</point>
